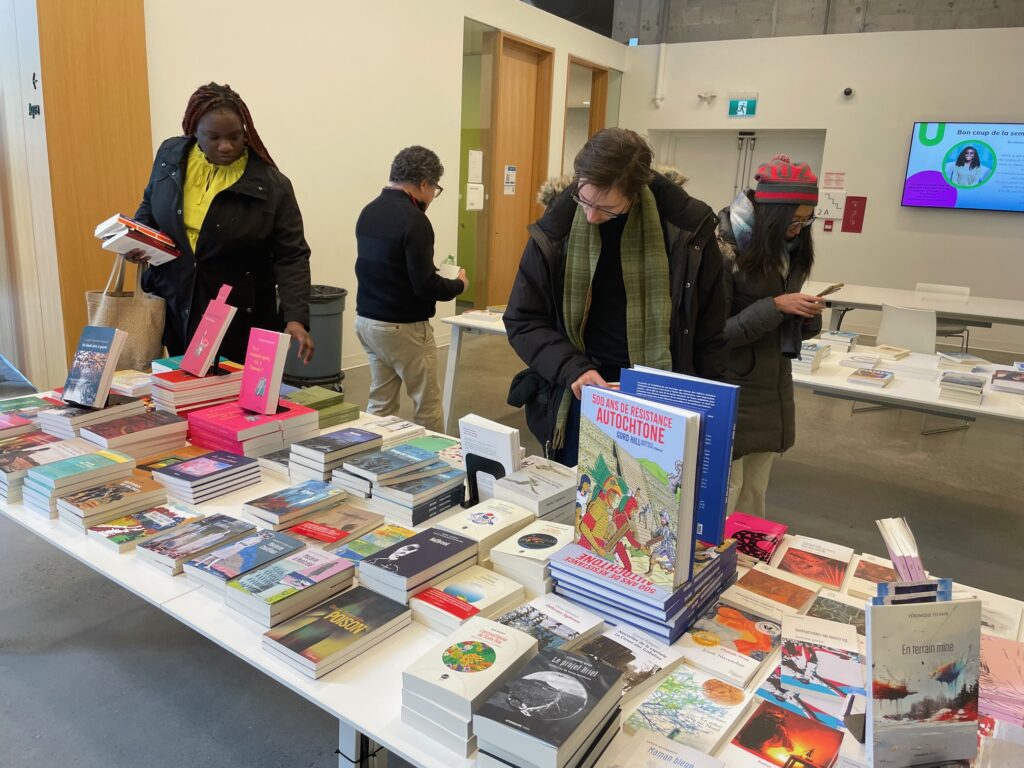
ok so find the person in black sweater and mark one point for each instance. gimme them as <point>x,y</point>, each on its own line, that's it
<point>399,287</point>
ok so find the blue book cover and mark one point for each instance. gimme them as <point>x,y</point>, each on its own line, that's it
<point>51,475</point>
<point>85,382</point>
<point>295,499</point>
<point>388,463</point>
<point>716,403</point>
<point>208,467</point>
<point>336,441</point>
<point>250,552</point>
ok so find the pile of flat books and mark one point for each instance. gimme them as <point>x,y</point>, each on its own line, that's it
<point>286,588</point>
<point>332,528</point>
<point>964,362</point>
<point>475,591</point>
<point>65,421</point>
<point>524,555</point>
<point>285,508</point>
<point>12,425</point>
<point>860,360</point>
<point>556,711</point>
<point>811,354</point>
<point>443,689</point>
<point>177,391</point>
<point>330,406</point>
<point>392,429</point>
<point>887,351</point>
<point>336,631</point>
<point>410,566</point>
<point>275,464</point>
<point>167,364</point>
<point>208,477</point>
<point>415,500</point>
<point>122,234</point>
<point>44,484</point>
<point>554,622</point>
<point>546,488</point>
<point>962,387</point>
<point>622,596</point>
<point>170,551</point>
<point>374,467</point>
<point>139,435</point>
<point>123,534</point>
<point>487,523</point>
<point>116,498</point>
<point>1008,381</point>
<point>872,377</point>
<point>35,449</point>
<point>315,458</point>
<point>215,569</point>
<point>28,406</point>
<point>131,383</point>
<point>839,341</point>
<point>229,427</point>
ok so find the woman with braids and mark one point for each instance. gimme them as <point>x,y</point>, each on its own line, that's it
<point>218,194</point>
<point>765,238</point>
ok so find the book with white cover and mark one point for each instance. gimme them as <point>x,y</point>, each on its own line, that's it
<point>646,749</point>
<point>866,572</point>
<point>465,667</point>
<point>819,561</point>
<point>542,486</point>
<point>1000,616</point>
<point>475,591</point>
<point>489,440</point>
<point>643,660</point>
<point>535,543</point>
<point>730,643</point>
<point>770,592</point>
<point>487,523</point>
<point>821,657</point>
<point>554,621</point>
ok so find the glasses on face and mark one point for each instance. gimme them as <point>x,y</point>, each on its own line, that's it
<point>438,189</point>
<point>610,214</point>
<point>802,223</point>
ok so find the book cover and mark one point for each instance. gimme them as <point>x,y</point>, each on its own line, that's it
<point>1001,694</point>
<point>639,460</point>
<point>12,425</point>
<point>207,467</point>
<point>389,462</point>
<point>1000,616</point>
<point>756,538</point>
<point>540,486</point>
<point>24,452</point>
<point>264,366</point>
<point>779,737</point>
<point>332,442</point>
<point>553,621</point>
<point>537,541</point>
<point>197,537</point>
<point>487,519</point>
<point>819,561</point>
<point>637,656</point>
<point>827,710</point>
<point>95,360</point>
<point>837,607</point>
<point>140,526</point>
<point>132,428</point>
<point>275,582</point>
<point>121,491</point>
<point>646,749</point>
<point>423,487</point>
<point>202,350</point>
<point>420,552</point>
<point>690,707</point>
<point>867,571</point>
<point>317,398</point>
<point>923,666</point>
<point>474,591</point>
<point>59,472</point>
<point>373,542</point>
<point>875,377</point>
<point>730,642</point>
<point>334,628</point>
<point>296,499</point>
<point>245,554</point>
<point>821,657</point>
<point>770,592</point>
<point>27,406</point>
<point>170,458</point>
<point>328,528</point>
<point>716,402</point>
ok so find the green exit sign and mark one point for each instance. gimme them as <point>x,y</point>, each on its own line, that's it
<point>742,107</point>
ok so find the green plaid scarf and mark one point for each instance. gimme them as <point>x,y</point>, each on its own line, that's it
<point>646,279</point>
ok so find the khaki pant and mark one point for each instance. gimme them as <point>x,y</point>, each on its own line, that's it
<point>748,483</point>
<point>402,352</point>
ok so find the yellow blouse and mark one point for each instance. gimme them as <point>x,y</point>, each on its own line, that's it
<point>203,181</point>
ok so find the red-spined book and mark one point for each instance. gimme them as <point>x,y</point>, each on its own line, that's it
<point>264,366</point>
<point>202,350</point>
<point>232,422</point>
<point>12,425</point>
<point>122,234</point>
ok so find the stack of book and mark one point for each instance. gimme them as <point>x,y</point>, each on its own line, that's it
<point>28,406</point>
<point>170,551</point>
<point>546,488</point>
<point>315,458</point>
<point>757,539</point>
<point>487,523</point>
<point>408,567</point>
<point>332,528</point>
<point>381,537</point>
<point>386,464</point>
<point>122,234</point>
<point>964,362</point>
<point>335,632</point>
<point>93,366</point>
<point>36,449</point>
<point>730,643</point>
<point>811,355</point>
<point>550,712</point>
<point>281,590</point>
<point>1008,381</point>
<point>962,387</point>
<point>860,360</point>
<point>554,622</point>
<point>888,351</point>
<point>131,383</point>
<point>872,377</point>
<point>215,569</point>
<point>166,459</point>
<point>117,498</point>
<point>839,341</point>
<point>275,464</point>
<point>139,435</point>
<point>290,506</point>
<point>524,555</point>
<point>330,406</point>
<point>229,427</point>
<point>642,660</point>
<point>12,425</point>
<point>486,439</point>
<point>442,689</point>
<point>622,596</point>
<point>413,502</point>
<point>66,421</point>
<point>44,484</point>
<point>166,364</point>
<point>178,391</point>
<point>473,592</point>
<point>208,477</point>
<point>123,534</point>
<point>391,429</point>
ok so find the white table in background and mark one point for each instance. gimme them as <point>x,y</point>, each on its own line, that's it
<point>475,321</point>
<point>976,310</point>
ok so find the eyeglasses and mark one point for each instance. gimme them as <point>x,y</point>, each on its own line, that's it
<point>611,214</point>
<point>438,189</point>
<point>802,223</point>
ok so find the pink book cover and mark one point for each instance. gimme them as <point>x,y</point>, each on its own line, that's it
<point>264,366</point>
<point>232,422</point>
<point>1001,693</point>
<point>202,350</point>
<point>755,537</point>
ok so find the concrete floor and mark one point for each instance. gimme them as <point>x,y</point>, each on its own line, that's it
<point>94,677</point>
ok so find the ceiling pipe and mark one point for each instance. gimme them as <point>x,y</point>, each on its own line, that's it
<point>659,82</point>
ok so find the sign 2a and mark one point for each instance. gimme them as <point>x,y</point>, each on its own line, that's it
<point>831,203</point>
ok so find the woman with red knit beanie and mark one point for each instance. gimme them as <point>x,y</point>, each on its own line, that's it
<point>765,238</point>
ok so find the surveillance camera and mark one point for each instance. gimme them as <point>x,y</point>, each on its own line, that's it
<point>847,91</point>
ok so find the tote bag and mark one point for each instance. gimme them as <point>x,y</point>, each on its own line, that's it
<point>137,313</point>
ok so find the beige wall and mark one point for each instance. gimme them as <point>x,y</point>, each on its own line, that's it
<point>898,78</point>
<point>336,89</point>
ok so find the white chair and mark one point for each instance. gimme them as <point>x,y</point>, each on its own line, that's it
<point>947,328</point>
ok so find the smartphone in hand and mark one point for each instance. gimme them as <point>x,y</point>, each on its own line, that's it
<point>831,289</point>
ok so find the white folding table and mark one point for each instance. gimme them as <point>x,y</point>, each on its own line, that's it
<point>476,321</point>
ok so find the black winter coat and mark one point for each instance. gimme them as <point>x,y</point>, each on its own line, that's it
<point>252,240</point>
<point>536,325</point>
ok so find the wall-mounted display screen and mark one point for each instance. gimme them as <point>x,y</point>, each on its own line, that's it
<point>966,165</point>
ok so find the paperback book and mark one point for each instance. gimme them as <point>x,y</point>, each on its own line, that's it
<point>866,573</point>
<point>487,523</point>
<point>827,710</point>
<point>730,643</point>
<point>770,592</point>
<point>757,539</point>
<point>202,350</point>
<point>1001,694</point>
<point>294,502</point>
<point>821,657</point>
<point>773,736</point>
<point>646,749</point>
<point>475,591</point>
<point>122,234</point>
<point>542,486</point>
<point>125,533</point>
<point>115,498</point>
<point>330,528</point>
<point>381,465</point>
<point>821,562</point>
<point>373,542</point>
<point>264,367</point>
<point>641,659</point>
<point>412,562</point>
<point>842,609</point>
<point>554,622</point>
<point>217,568</point>
<point>171,550</point>
<point>93,366</point>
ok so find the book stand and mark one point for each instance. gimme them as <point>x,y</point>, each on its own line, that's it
<point>476,464</point>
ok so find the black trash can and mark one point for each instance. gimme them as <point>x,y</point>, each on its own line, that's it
<point>326,312</point>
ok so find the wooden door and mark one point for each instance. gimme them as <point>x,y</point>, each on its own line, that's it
<point>522,120</point>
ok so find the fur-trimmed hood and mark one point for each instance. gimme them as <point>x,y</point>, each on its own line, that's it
<point>554,186</point>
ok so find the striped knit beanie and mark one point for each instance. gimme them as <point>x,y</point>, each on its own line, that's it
<point>783,182</point>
